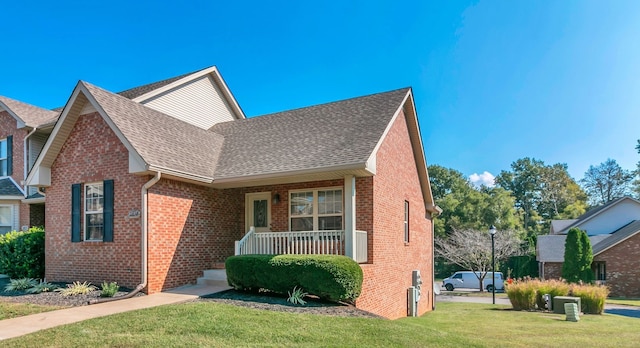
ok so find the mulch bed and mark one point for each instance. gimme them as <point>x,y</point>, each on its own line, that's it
<point>264,301</point>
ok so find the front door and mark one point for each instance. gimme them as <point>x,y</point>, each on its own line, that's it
<point>258,211</point>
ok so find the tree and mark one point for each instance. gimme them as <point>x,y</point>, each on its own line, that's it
<point>524,183</point>
<point>560,196</point>
<point>471,249</point>
<point>578,256</point>
<point>606,182</point>
<point>636,182</point>
<point>572,256</point>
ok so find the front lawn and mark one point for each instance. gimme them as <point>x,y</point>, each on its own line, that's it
<point>451,325</point>
<point>10,310</point>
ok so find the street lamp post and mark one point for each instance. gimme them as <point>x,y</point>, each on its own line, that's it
<point>492,232</point>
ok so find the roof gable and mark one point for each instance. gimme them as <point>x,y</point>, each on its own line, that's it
<point>27,114</point>
<point>617,237</point>
<point>594,213</point>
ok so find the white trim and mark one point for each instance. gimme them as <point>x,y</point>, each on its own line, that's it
<point>342,167</point>
<point>217,78</point>
<point>581,222</point>
<point>248,210</point>
<point>16,185</point>
<point>86,211</point>
<point>374,153</point>
<point>33,200</point>
<point>315,215</point>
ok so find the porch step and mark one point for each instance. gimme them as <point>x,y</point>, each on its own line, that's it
<point>213,277</point>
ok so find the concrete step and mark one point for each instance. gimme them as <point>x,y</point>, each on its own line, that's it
<point>215,277</point>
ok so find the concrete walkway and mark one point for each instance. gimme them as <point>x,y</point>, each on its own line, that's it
<point>15,327</point>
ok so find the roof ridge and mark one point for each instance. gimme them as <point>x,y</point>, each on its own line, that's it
<point>137,91</point>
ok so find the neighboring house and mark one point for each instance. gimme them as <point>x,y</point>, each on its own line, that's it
<point>614,232</point>
<point>152,186</point>
<point>24,129</point>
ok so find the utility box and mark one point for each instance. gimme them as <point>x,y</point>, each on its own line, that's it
<point>572,311</point>
<point>559,301</point>
<point>412,303</point>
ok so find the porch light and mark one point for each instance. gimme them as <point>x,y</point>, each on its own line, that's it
<point>276,198</point>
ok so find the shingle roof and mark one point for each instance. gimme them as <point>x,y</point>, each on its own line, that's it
<point>31,115</point>
<point>327,135</point>
<point>559,225</point>
<point>593,211</point>
<point>617,237</point>
<point>550,248</point>
<point>161,140</point>
<point>144,89</point>
<point>9,188</point>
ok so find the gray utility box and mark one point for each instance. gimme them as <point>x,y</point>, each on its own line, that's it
<point>559,301</point>
<point>4,280</point>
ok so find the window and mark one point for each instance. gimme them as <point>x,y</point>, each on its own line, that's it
<point>6,219</point>
<point>600,269</point>
<point>406,221</point>
<point>316,210</point>
<point>6,154</point>
<point>93,204</point>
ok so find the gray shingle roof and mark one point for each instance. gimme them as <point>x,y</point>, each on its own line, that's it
<point>591,212</point>
<point>617,237</point>
<point>333,134</point>
<point>144,89</point>
<point>550,248</point>
<point>8,188</point>
<point>161,140</point>
<point>31,115</point>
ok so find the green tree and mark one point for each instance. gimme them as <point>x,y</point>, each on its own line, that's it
<point>636,182</point>
<point>578,256</point>
<point>586,274</point>
<point>606,182</point>
<point>572,256</point>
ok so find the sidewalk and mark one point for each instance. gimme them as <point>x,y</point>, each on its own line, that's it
<point>15,327</point>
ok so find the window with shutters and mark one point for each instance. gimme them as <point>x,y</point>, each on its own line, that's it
<point>93,211</point>
<point>4,158</point>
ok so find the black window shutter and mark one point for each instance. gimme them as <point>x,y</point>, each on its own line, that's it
<point>107,211</point>
<point>75,212</point>
<point>10,155</point>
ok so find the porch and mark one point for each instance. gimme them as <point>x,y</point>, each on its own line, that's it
<point>333,242</point>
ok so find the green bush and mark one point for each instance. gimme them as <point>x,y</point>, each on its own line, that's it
<point>109,289</point>
<point>552,287</point>
<point>592,297</point>
<point>330,277</point>
<point>522,294</point>
<point>22,254</point>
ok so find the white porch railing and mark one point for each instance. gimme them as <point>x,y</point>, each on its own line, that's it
<point>301,243</point>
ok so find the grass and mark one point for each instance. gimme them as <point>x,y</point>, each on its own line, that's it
<point>451,325</point>
<point>499,293</point>
<point>624,301</point>
<point>10,310</point>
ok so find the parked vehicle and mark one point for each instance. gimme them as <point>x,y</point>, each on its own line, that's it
<point>467,279</point>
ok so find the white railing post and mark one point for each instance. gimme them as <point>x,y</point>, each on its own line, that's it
<point>350,215</point>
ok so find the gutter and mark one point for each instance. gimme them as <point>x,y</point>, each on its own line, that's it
<point>144,240</point>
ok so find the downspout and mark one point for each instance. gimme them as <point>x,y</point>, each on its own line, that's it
<point>144,240</point>
<point>433,264</point>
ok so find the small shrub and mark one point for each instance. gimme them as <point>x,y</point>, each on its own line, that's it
<point>109,289</point>
<point>77,288</point>
<point>21,284</point>
<point>22,254</point>
<point>522,294</point>
<point>592,297</point>
<point>297,296</point>
<point>42,287</point>
<point>330,277</point>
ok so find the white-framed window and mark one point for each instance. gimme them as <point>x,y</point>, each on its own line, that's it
<point>316,210</point>
<point>6,219</point>
<point>4,158</point>
<point>93,217</point>
<point>406,221</point>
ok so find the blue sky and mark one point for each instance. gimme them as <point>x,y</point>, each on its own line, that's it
<point>494,81</point>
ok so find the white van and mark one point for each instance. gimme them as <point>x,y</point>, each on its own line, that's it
<point>466,279</point>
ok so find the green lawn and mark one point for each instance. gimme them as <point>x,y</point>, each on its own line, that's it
<point>10,310</point>
<point>625,301</point>
<point>451,325</point>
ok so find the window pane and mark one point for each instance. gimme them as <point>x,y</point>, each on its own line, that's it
<point>4,229</point>
<point>95,226</point>
<point>301,203</point>
<point>3,149</point>
<point>3,167</point>
<point>5,216</point>
<point>330,223</point>
<point>330,202</point>
<point>260,213</point>
<point>302,224</point>
<point>94,198</point>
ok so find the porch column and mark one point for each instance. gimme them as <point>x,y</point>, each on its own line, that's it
<point>350,215</point>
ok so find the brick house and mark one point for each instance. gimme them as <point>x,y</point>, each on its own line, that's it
<point>24,129</point>
<point>614,233</point>
<point>152,186</point>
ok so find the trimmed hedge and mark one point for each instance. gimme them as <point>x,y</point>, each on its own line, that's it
<point>330,277</point>
<point>22,254</point>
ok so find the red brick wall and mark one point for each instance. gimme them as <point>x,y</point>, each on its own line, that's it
<point>389,276</point>
<point>623,267</point>
<point>93,153</point>
<point>8,127</point>
<point>552,270</point>
<point>190,229</point>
